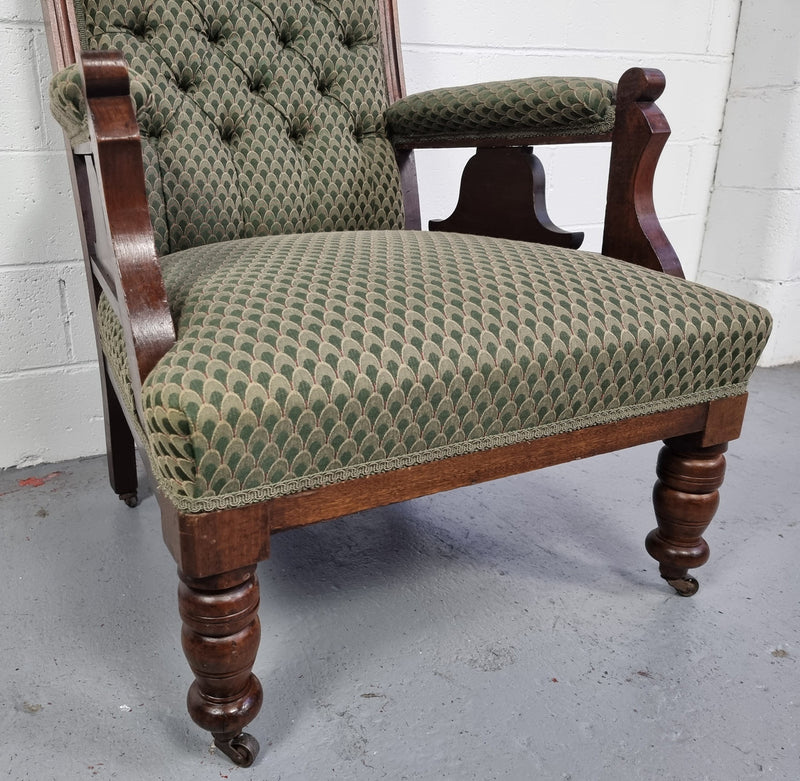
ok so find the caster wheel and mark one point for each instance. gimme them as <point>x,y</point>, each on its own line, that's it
<point>131,499</point>
<point>686,587</point>
<point>243,749</point>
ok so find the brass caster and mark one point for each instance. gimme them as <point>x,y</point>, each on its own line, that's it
<point>686,586</point>
<point>131,499</point>
<point>242,749</point>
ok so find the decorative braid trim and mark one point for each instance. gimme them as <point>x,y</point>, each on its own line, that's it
<point>297,485</point>
<point>473,139</point>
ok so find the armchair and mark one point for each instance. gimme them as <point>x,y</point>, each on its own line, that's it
<point>286,346</point>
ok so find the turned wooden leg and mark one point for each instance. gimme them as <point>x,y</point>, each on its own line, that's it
<point>120,447</point>
<point>221,632</point>
<point>685,498</point>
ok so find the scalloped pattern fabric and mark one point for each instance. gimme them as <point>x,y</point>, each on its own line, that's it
<point>258,116</point>
<point>303,361</point>
<point>521,108</point>
<point>67,104</point>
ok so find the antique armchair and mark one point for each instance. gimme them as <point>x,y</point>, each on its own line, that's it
<point>286,346</point>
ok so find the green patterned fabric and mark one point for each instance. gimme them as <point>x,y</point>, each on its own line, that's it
<point>257,116</point>
<point>68,105</point>
<point>522,108</point>
<point>303,361</point>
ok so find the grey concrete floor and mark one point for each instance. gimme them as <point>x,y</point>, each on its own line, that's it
<point>514,630</point>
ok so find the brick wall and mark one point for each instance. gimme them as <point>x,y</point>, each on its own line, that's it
<point>49,393</point>
<point>49,396</point>
<point>751,246</point>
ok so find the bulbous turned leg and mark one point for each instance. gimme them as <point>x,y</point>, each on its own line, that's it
<point>221,633</point>
<point>685,498</point>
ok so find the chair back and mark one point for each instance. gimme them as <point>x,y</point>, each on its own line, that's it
<point>257,116</point>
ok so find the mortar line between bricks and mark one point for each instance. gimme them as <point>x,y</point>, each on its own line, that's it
<point>69,368</point>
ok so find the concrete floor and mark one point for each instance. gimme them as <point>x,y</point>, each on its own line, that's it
<point>515,630</point>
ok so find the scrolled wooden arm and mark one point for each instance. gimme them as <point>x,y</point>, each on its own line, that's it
<point>123,227</point>
<point>632,229</point>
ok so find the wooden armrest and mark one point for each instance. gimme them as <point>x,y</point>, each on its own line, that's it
<point>632,230</point>
<point>121,218</point>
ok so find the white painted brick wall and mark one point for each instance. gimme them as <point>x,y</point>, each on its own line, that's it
<point>752,243</point>
<point>49,392</point>
<point>49,397</point>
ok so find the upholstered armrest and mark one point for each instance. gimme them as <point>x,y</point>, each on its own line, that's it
<point>521,110</point>
<point>68,104</point>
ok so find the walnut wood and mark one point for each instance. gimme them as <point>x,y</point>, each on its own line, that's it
<point>204,544</point>
<point>116,143</point>
<point>61,28</point>
<point>396,89</point>
<point>503,195</point>
<point>408,183</point>
<point>685,498</point>
<point>392,53</point>
<point>220,637</point>
<point>120,447</point>
<point>632,230</point>
<point>724,423</point>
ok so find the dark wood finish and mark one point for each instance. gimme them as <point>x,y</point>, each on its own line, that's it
<point>396,89</point>
<point>116,145</point>
<point>120,446</point>
<point>220,638</point>
<point>632,230</point>
<point>685,498</point>
<point>408,183</point>
<point>63,40</point>
<point>724,422</point>
<point>503,195</point>
<point>205,544</point>
<point>217,551</point>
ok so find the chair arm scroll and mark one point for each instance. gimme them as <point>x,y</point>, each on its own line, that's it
<point>632,229</point>
<point>123,228</point>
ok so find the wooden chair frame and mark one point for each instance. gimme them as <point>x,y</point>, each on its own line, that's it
<point>217,552</point>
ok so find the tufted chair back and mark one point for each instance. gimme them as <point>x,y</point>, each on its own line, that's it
<point>257,116</point>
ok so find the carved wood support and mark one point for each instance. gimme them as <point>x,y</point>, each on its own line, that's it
<point>126,233</point>
<point>503,195</point>
<point>685,498</point>
<point>221,633</point>
<point>632,230</point>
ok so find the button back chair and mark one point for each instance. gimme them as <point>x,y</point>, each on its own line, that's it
<point>286,346</point>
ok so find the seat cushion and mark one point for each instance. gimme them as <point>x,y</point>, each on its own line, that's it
<point>307,360</point>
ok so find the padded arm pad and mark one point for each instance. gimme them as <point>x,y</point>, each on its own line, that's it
<point>68,104</point>
<point>510,110</point>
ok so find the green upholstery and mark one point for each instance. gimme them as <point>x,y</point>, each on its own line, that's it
<point>68,105</point>
<point>268,116</point>
<point>522,108</point>
<point>257,117</point>
<point>346,347</point>
<point>303,361</point>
